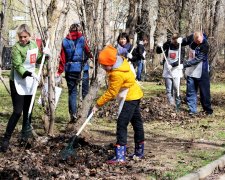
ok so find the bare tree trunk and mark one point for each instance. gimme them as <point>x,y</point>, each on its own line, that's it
<point>51,100</point>
<point>106,23</point>
<point>153,15</point>
<point>132,18</point>
<point>214,42</point>
<point>2,22</point>
<point>50,22</point>
<point>160,32</point>
<point>57,12</point>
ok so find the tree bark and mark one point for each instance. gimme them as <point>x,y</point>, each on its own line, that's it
<point>132,17</point>
<point>106,23</point>
<point>2,22</point>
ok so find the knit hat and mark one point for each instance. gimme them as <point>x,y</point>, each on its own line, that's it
<point>76,22</point>
<point>107,56</point>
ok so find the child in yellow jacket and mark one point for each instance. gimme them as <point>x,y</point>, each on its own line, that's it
<point>120,77</point>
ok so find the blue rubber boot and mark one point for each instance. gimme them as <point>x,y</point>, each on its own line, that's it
<point>138,151</point>
<point>120,157</point>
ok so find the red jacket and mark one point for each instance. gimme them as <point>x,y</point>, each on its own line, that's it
<point>73,35</point>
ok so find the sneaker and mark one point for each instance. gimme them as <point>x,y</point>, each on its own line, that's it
<point>208,113</point>
<point>192,113</point>
<point>73,118</point>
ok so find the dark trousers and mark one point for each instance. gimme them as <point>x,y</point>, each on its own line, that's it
<point>203,84</point>
<point>21,103</point>
<point>130,113</point>
<point>73,80</point>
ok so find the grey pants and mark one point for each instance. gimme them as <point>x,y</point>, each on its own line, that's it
<point>172,85</point>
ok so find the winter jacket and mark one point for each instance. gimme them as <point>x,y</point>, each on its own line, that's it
<point>19,54</point>
<point>138,52</point>
<point>120,78</point>
<point>201,52</point>
<point>124,50</point>
<point>74,50</point>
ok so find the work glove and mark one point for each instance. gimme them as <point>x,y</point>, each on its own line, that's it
<point>57,75</point>
<point>47,51</point>
<point>161,62</point>
<point>144,54</point>
<point>143,61</point>
<point>179,40</point>
<point>169,67</point>
<point>57,79</point>
<point>35,76</point>
<point>180,67</point>
<point>129,55</point>
<point>186,64</point>
<point>95,108</point>
<point>160,44</point>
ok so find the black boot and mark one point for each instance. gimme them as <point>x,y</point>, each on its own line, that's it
<point>4,146</point>
<point>26,131</point>
<point>73,118</point>
<point>9,130</point>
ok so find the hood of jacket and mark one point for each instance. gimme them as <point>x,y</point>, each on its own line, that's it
<point>73,35</point>
<point>121,65</point>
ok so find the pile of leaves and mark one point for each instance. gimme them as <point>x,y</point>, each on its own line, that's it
<point>41,160</point>
<point>153,108</point>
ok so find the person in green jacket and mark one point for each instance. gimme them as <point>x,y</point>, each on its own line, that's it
<point>22,78</point>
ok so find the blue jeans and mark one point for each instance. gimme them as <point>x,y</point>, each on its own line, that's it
<point>169,90</point>
<point>85,84</point>
<point>73,80</point>
<point>130,113</point>
<point>203,84</point>
<point>139,70</point>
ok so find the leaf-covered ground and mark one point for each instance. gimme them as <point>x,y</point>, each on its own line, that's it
<point>40,159</point>
<point>175,144</point>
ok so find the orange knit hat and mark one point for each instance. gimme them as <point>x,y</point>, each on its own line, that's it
<point>108,56</point>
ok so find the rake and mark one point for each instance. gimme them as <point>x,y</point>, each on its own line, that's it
<point>69,150</point>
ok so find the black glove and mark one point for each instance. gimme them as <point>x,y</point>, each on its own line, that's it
<point>186,64</point>
<point>26,73</point>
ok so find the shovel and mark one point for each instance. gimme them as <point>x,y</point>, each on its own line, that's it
<point>164,55</point>
<point>134,43</point>
<point>178,98</point>
<point>69,150</point>
<point>35,84</point>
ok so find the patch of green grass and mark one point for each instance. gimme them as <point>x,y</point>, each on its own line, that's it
<point>152,89</point>
<point>5,73</point>
<point>192,160</point>
<point>5,104</point>
<point>221,135</point>
<point>217,88</point>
